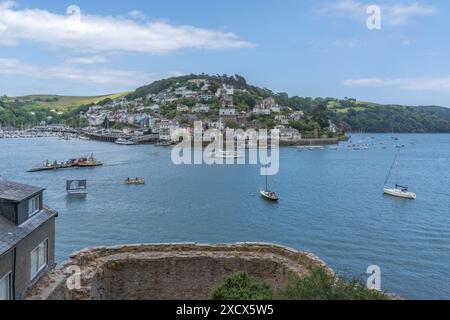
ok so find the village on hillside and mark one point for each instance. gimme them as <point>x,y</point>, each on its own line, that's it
<point>179,106</point>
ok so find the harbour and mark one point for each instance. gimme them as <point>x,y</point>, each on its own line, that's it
<point>331,203</point>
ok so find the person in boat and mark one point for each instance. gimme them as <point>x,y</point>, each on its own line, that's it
<point>128,179</point>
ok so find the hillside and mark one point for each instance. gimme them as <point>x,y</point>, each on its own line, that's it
<point>347,114</point>
<point>62,103</point>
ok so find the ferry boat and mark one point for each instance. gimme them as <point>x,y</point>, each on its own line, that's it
<point>125,142</point>
<point>82,162</point>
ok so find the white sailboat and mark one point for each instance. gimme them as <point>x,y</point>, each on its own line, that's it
<point>267,194</point>
<point>398,190</point>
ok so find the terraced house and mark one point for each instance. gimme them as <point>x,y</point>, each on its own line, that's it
<point>27,238</point>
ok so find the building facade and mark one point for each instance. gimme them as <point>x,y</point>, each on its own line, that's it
<point>27,239</point>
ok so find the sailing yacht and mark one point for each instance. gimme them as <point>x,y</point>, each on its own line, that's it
<point>398,191</point>
<point>267,194</point>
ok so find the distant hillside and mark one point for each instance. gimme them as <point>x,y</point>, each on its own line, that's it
<point>356,115</point>
<point>347,114</point>
<point>62,103</point>
<point>32,109</point>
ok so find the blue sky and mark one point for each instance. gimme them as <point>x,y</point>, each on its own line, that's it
<point>306,48</point>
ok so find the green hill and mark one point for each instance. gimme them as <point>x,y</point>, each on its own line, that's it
<point>62,103</point>
<point>348,114</point>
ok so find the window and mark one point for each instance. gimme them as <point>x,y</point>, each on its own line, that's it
<point>39,259</point>
<point>34,205</point>
<point>5,287</point>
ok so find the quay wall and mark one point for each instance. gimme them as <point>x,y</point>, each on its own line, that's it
<point>170,271</point>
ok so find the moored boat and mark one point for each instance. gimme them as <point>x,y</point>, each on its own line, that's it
<point>397,191</point>
<point>124,142</point>
<point>226,154</point>
<point>269,195</point>
<point>400,192</point>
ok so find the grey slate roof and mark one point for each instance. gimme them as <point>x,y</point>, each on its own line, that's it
<point>16,192</point>
<point>11,234</point>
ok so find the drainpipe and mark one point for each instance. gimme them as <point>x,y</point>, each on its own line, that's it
<point>13,280</point>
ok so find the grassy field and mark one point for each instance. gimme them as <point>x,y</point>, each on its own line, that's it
<point>65,103</point>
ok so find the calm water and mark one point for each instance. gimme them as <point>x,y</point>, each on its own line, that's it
<point>331,204</point>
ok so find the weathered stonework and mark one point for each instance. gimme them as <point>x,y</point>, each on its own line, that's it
<point>170,271</point>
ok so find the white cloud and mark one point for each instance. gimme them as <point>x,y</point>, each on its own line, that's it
<point>123,78</point>
<point>102,33</point>
<point>87,60</point>
<point>441,84</point>
<point>402,13</point>
<point>392,14</point>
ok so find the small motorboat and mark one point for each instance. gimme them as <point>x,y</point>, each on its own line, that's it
<point>137,181</point>
<point>400,192</point>
<point>226,155</point>
<point>124,142</point>
<point>164,144</point>
<point>76,187</point>
<point>269,195</point>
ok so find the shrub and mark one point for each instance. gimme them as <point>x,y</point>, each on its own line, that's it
<point>323,286</point>
<point>241,286</point>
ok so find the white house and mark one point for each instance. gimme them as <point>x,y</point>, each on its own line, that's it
<point>297,115</point>
<point>225,90</point>
<point>289,135</point>
<point>227,112</point>
<point>182,108</point>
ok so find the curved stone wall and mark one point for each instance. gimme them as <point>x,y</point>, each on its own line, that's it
<point>169,271</point>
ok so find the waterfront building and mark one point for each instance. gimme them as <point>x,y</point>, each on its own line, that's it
<point>27,238</point>
<point>164,130</point>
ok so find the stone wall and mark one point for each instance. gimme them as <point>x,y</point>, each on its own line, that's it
<point>170,271</point>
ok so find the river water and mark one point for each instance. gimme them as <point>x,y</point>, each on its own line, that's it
<point>331,203</point>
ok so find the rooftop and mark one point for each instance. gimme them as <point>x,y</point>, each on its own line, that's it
<point>17,192</point>
<point>11,234</point>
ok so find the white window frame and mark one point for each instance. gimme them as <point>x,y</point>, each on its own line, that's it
<point>41,266</point>
<point>36,200</point>
<point>7,279</point>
